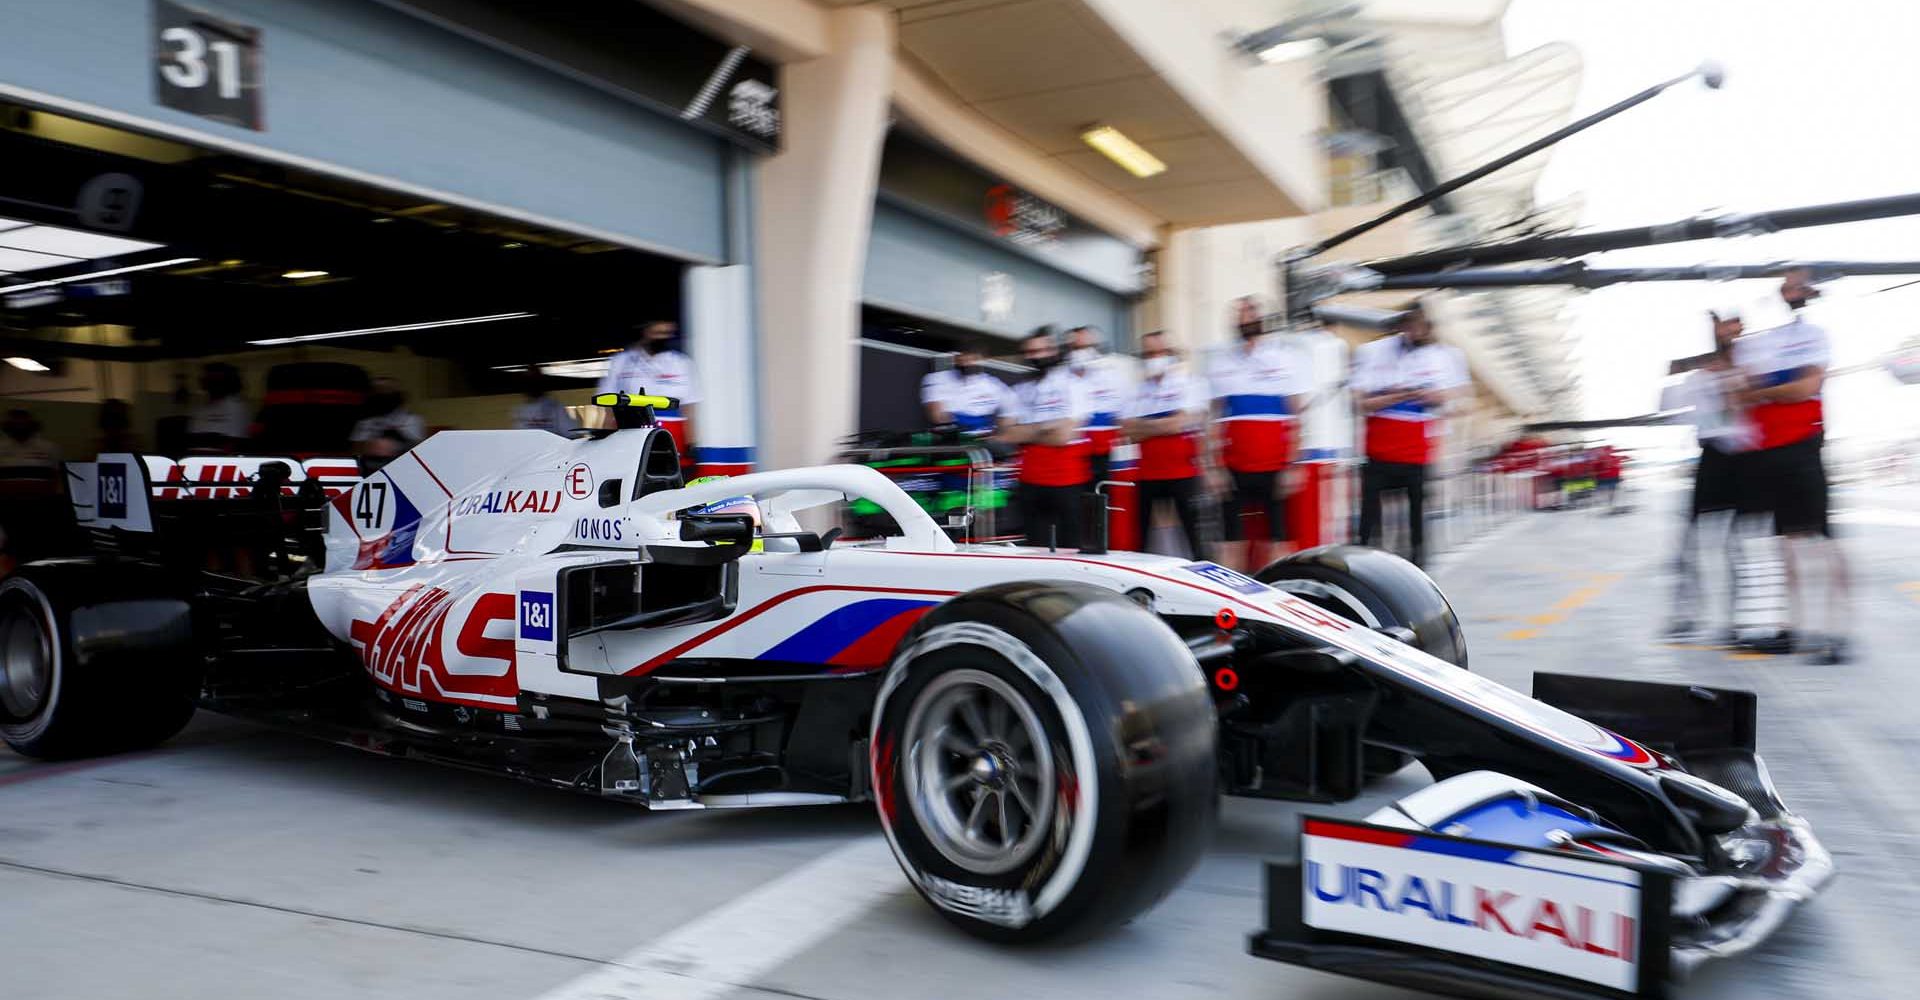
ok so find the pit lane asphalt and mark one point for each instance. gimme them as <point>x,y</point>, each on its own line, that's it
<point>237,862</point>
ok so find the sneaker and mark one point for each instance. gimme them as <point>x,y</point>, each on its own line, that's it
<point>1832,652</point>
<point>1778,644</point>
<point>1680,630</point>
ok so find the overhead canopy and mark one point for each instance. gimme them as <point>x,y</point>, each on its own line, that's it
<point>1044,70</point>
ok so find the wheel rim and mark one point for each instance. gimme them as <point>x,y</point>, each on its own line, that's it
<point>980,775</point>
<point>26,663</point>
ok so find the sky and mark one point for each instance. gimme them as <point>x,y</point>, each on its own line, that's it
<point>1817,107</point>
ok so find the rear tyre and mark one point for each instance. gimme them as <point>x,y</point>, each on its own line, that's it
<point>1044,760</point>
<point>53,705</point>
<point>1382,591</point>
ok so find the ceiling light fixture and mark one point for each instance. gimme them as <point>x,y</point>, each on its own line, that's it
<point>1115,146</point>
<point>1298,48</point>
<point>297,275</point>
<point>396,328</point>
<point>27,364</point>
<point>7,289</point>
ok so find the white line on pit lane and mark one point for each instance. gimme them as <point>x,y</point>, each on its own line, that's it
<point>730,947</point>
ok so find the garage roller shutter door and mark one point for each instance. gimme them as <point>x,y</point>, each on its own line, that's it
<point>362,90</point>
<point>924,268</point>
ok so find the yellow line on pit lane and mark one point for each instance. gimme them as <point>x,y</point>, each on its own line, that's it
<point>1566,606</point>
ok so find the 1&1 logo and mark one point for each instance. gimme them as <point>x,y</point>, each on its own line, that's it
<point>536,615</point>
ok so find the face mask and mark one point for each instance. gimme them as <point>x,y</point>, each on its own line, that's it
<point>968,370</point>
<point>1085,355</point>
<point>1045,363</point>
<point>1158,365</point>
<point>383,402</point>
<point>655,345</point>
<point>19,433</point>
<point>1248,331</point>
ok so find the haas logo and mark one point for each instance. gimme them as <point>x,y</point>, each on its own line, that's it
<point>406,651</point>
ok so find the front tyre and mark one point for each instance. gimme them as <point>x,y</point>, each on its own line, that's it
<point>1044,760</point>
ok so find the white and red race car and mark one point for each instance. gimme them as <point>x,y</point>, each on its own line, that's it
<point>1044,734</point>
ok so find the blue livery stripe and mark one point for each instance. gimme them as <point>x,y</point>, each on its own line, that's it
<point>1459,849</point>
<point>1256,406</point>
<point>840,628</point>
<point>723,456</point>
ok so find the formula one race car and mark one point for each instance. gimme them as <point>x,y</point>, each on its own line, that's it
<point>1044,734</point>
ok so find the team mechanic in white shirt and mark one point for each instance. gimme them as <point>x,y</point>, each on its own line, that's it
<point>1725,436</point>
<point>1109,387</point>
<point>1051,433</point>
<point>652,365</point>
<point>1786,368</point>
<point>967,398</point>
<point>1259,387</point>
<point>1404,382</point>
<point>1167,418</point>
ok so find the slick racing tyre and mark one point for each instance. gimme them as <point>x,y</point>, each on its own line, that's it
<point>55,703</point>
<point>1381,591</point>
<point>1044,760</point>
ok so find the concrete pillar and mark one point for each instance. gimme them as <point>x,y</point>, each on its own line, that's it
<point>815,212</point>
<point>718,307</point>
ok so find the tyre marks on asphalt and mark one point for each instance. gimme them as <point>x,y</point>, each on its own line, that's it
<point>732,946</point>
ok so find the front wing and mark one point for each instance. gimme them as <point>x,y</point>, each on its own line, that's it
<point>1465,917</point>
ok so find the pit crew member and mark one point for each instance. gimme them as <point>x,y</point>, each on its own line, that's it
<point>654,366</point>
<point>966,398</point>
<point>1404,382</point>
<point>1786,368</point>
<point>1258,386</point>
<point>1167,418</point>
<point>1051,432</point>
<point>1109,387</point>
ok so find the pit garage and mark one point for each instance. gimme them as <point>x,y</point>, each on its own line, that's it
<point>321,195</point>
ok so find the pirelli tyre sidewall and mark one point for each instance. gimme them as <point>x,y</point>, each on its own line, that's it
<point>30,628</point>
<point>113,671</point>
<point>1130,735</point>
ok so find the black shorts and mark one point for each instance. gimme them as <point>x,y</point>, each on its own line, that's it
<point>1717,480</point>
<point>1791,483</point>
<point>1253,491</point>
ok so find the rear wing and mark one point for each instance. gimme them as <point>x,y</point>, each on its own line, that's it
<point>121,490</point>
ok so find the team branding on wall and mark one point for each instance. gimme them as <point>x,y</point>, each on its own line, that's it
<point>1022,218</point>
<point>1566,916</point>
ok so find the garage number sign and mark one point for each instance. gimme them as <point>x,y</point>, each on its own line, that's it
<point>207,66</point>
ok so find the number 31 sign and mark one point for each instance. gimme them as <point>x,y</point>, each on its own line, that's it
<point>206,65</point>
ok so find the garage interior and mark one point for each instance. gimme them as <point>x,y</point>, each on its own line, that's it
<point>128,261</point>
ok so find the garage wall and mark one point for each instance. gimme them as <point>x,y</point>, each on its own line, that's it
<point>924,268</point>
<point>390,97</point>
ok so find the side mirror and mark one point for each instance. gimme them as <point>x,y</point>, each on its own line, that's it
<point>719,529</point>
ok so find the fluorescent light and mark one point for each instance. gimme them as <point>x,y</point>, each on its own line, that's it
<point>1298,48</point>
<point>398,328</point>
<point>4,289</point>
<point>27,364</point>
<point>1115,146</point>
<point>304,274</point>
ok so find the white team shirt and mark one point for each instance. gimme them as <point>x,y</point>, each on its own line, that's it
<point>1176,391</point>
<point>1057,395</point>
<point>1387,364</point>
<point>543,414</point>
<point>974,402</point>
<point>1778,356</point>
<point>403,422</point>
<point>1109,387</point>
<point>669,373</point>
<point>1716,424</point>
<point>1247,381</point>
<point>229,417</point>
